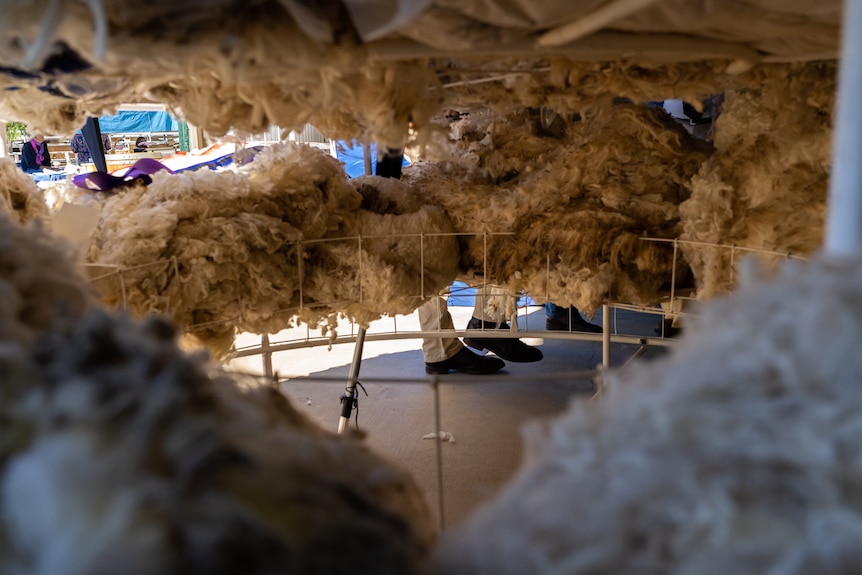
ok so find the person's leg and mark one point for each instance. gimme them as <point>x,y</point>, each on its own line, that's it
<point>553,311</point>
<point>492,304</point>
<point>567,319</point>
<point>671,324</point>
<point>490,312</point>
<point>445,354</point>
<point>434,316</point>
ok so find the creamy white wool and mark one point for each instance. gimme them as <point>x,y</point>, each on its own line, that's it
<point>736,453</point>
<point>38,281</point>
<point>218,248</point>
<point>222,65</point>
<point>765,187</point>
<point>128,450</point>
<point>273,242</point>
<point>67,527</point>
<point>124,449</point>
<point>20,197</point>
<point>565,206</point>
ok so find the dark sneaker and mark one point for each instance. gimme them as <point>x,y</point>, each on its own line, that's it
<point>466,361</point>
<point>578,324</point>
<point>510,349</point>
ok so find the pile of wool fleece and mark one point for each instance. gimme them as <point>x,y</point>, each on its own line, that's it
<point>19,194</point>
<point>219,64</point>
<point>122,453</point>
<point>570,201</point>
<point>737,453</point>
<point>409,252</point>
<point>765,187</point>
<point>568,86</point>
<point>257,248</point>
<point>38,281</point>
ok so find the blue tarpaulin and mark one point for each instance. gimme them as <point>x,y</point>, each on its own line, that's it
<point>352,156</point>
<point>134,121</point>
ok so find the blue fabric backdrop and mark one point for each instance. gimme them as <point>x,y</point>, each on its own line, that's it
<point>462,296</point>
<point>352,156</point>
<point>133,121</point>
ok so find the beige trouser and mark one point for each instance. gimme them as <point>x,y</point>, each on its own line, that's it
<point>493,304</point>
<point>434,316</point>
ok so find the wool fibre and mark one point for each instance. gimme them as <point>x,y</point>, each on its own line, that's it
<point>38,281</point>
<point>121,452</point>
<point>20,197</point>
<point>736,453</point>
<point>565,204</point>
<point>765,187</point>
<point>257,248</point>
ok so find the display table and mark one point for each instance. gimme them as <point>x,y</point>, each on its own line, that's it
<point>119,161</point>
<point>49,176</point>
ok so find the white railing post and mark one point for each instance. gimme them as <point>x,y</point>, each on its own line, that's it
<point>844,210</point>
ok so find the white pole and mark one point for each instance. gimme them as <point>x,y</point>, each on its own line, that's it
<point>606,336</point>
<point>4,145</point>
<point>844,210</point>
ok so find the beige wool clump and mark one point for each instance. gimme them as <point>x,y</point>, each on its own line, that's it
<point>765,187</point>
<point>259,248</point>
<point>38,281</point>
<point>565,204</point>
<point>737,453</point>
<point>355,70</point>
<point>218,249</point>
<point>20,197</point>
<point>229,66</point>
<point>123,453</point>
<point>399,253</point>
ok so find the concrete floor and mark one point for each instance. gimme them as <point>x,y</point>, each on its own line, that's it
<point>482,415</point>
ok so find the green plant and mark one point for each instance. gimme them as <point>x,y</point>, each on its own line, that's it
<point>16,131</point>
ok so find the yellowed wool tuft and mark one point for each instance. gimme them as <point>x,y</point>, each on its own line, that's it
<point>275,241</point>
<point>737,452</point>
<point>565,207</point>
<point>20,197</point>
<point>765,187</point>
<point>39,283</point>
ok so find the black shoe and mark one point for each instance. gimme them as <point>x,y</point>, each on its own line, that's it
<point>669,330</point>
<point>578,324</point>
<point>511,349</point>
<point>466,361</point>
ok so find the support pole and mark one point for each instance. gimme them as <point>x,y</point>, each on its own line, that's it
<point>844,211</point>
<point>4,145</point>
<point>93,136</point>
<point>606,336</point>
<point>388,166</point>
<point>266,355</point>
<point>350,397</point>
<point>366,158</point>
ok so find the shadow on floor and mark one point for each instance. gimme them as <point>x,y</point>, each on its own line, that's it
<point>483,414</point>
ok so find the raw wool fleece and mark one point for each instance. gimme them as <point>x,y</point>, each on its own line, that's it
<point>216,251</point>
<point>567,86</point>
<point>737,453</point>
<point>219,64</point>
<point>127,455</point>
<point>38,281</point>
<point>402,251</point>
<point>122,453</point>
<point>20,197</point>
<point>229,63</point>
<point>570,201</point>
<point>765,187</point>
<point>261,247</point>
